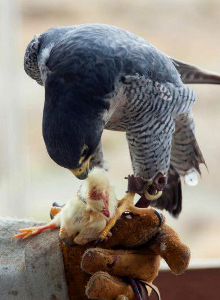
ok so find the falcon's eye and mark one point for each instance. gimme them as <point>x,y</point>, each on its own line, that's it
<point>85,151</point>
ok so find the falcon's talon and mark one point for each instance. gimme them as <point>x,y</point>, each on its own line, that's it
<point>160,217</point>
<point>55,204</point>
<point>136,183</point>
<point>125,205</point>
<point>67,242</point>
<point>98,241</point>
<point>160,181</point>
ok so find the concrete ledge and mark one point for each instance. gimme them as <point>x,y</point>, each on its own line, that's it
<point>32,269</point>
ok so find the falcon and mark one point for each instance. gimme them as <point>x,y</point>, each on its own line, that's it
<point>100,77</point>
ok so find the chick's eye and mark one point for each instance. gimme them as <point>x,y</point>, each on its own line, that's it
<point>85,151</point>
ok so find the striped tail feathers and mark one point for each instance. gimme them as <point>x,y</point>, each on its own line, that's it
<point>186,158</point>
<point>199,159</point>
<point>192,174</point>
<point>186,155</point>
<point>171,199</point>
<point>191,74</point>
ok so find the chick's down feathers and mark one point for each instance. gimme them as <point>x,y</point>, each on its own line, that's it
<point>86,216</point>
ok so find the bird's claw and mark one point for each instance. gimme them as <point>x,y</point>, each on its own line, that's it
<point>160,181</point>
<point>57,205</point>
<point>98,242</point>
<point>135,184</point>
<point>67,242</point>
<point>150,189</point>
<point>160,217</point>
<point>100,239</point>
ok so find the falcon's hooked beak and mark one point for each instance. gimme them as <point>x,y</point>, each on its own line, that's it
<point>82,172</point>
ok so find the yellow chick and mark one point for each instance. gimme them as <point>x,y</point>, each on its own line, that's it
<point>86,216</point>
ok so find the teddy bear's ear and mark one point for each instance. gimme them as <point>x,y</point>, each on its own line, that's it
<point>168,245</point>
<point>134,230</point>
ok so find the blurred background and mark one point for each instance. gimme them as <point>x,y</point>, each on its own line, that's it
<point>30,181</point>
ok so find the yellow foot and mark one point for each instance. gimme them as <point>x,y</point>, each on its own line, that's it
<point>54,210</point>
<point>65,238</point>
<point>62,233</point>
<point>28,232</point>
<point>124,205</point>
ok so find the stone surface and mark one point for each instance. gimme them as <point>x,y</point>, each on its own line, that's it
<point>32,269</point>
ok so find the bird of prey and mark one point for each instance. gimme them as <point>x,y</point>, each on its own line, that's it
<point>85,217</point>
<point>100,77</point>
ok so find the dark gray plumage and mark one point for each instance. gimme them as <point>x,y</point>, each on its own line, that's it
<point>109,78</point>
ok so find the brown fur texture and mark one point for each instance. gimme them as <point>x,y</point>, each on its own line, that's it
<point>107,287</point>
<point>123,263</point>
<point>135,249</point>
<point>167,244</point>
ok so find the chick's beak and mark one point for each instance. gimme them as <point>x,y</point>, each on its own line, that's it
<point>106,205</point>
<point>106,212</point>
<point>82,172</point>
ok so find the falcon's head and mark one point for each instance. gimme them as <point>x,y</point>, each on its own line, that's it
<point>72,125</point>
<point>72,143</point>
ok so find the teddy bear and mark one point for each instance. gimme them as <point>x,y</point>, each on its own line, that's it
<point>125,265</point>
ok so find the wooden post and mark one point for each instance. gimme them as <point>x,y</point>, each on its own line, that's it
<point>200,281</point>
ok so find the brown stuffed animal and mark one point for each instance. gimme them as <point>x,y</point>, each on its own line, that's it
<point>134,251</point>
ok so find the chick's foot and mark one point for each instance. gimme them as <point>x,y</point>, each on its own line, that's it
<point>28,232</point>
<point>125,205</point>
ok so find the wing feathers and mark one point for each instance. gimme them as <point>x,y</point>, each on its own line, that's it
<point>191,74</point>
